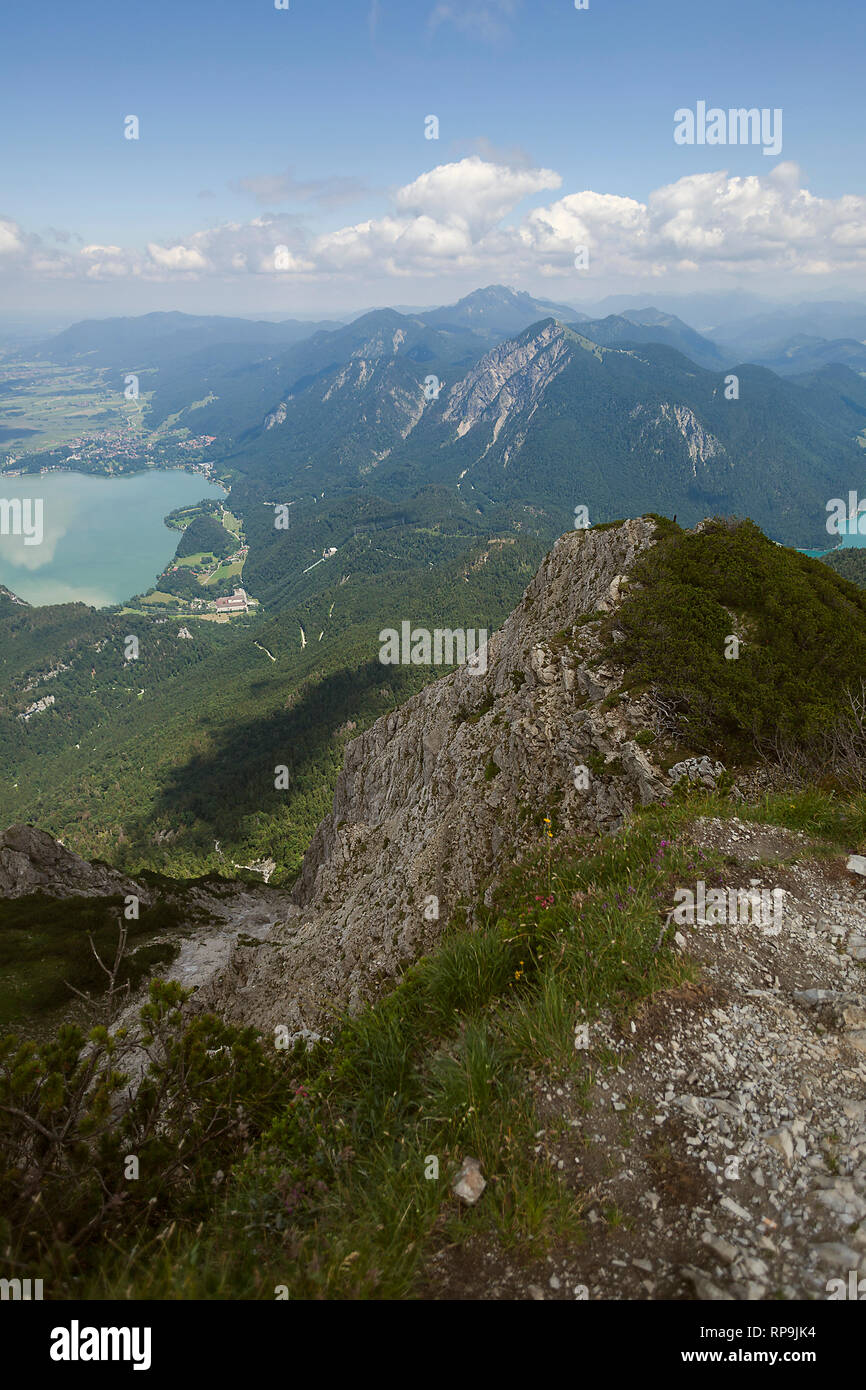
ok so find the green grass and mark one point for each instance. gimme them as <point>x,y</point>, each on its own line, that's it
<point>159,598</point>
<point>194,561</point>
<point>60,403</point>
<point>335,1203</point>
<point>227,571</point>
<point>337,1199</point>
<point>833,818</point>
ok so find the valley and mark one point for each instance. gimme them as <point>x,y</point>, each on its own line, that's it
<point>289,798</point>
<point>353,502</point>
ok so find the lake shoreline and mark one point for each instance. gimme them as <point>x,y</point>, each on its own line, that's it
<point>102,543</point>
<point>114,477</point>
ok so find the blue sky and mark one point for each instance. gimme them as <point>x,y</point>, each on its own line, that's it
<point>262,127</point>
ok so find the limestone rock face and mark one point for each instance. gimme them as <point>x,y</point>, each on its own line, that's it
<point>699,771</point>
<point>31,861</point>
<point>436,799</point>
<point>509,379</point>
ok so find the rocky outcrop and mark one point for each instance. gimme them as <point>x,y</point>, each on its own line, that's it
<point>211,913</point>
<point>13,598</point>
<point>276,417</point>
<point>33,862</point>
<point>700,772</point>
<point>510,378</point>
<point>702,446</point>
<point>438,797</point>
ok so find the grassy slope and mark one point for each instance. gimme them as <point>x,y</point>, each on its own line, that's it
<point>335,1202</point>
<point>331,1197</point>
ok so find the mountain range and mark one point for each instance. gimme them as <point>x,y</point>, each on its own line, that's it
<point>436,454</point>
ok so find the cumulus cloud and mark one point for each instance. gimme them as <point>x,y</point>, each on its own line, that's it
<point>11,240</point>
<point>177,257</point>
<point>466,217</point>
<point>472,193</point>
<point>705,221</point>
<point>441,219</point>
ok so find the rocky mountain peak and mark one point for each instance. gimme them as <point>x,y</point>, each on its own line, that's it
<point>512,377</point>
<point>437,797</point>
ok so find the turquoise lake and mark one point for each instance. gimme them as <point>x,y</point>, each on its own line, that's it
<point>851,537</point>
<point>104,539</point>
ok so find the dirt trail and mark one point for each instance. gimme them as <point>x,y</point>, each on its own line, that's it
<point>725,1158</point>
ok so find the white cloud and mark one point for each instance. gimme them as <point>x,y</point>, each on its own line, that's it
<point>484,19</point>
<point>707,222</point>
<point>442,220</point>
<point>177,257</point>
<point>472,193</point>
<point>10,238</point>
<point>464,218</point>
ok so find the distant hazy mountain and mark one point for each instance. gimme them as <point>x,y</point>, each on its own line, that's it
<point>497,312</point>
<point>242,387</point>
<point>704,312</point>
<point>804,353</point>
<point>621,413</point>
<point>301,409</point>
<point>240,391</point>
<point>744,326</point>
<point>307,383</point>
<point>150,340</point>
<point>340,405</point>
<point>653,326</point>
<point>765,335</point>
<point>554,417</point>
